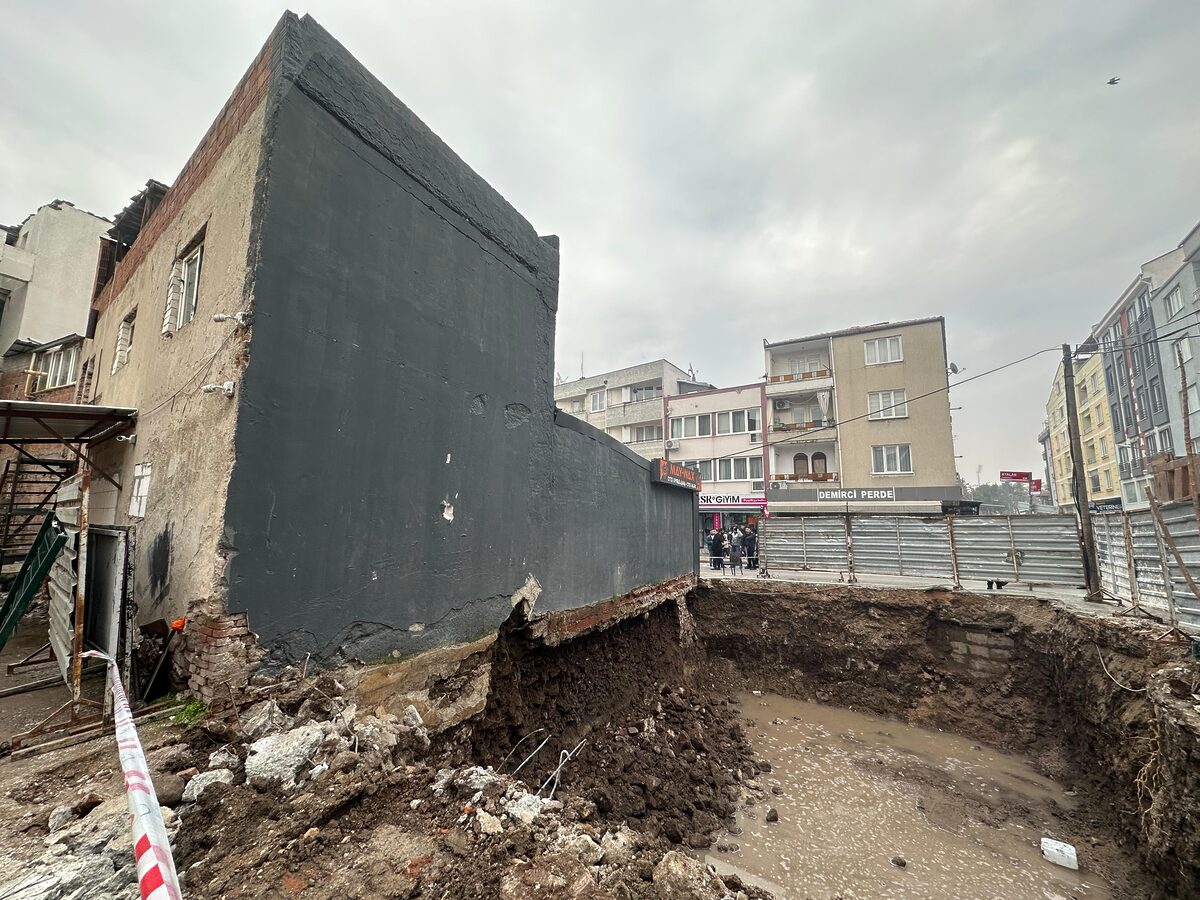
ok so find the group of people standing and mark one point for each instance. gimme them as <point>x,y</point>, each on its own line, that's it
<point>736,547</point>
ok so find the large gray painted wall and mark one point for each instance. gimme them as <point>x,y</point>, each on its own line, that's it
<point>400,365</point>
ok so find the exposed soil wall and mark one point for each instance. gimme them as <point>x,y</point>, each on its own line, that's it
<point>659,753</point>
<point>1021,675</point>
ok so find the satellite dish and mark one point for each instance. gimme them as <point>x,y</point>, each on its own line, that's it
<point>953,369</point>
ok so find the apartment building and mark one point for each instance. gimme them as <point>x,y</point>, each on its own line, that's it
<point>846,428</point>
<point>720,433</point>
<point>627,404</point>
<point>1135,377</point>
<point>1174,306</point>
<point>47,274</point>
<point>1096,435</point>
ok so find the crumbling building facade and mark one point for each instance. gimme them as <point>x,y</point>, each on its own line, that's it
<point>360,457</point>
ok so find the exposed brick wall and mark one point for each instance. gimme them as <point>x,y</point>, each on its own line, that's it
<point>246,97</point>
<point>216,656</point>
<point>571,623</point>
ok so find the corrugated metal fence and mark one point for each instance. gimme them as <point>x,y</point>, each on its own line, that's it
<point>1131,543</point>
<point>1034,549</point>
<point>1042,550</point>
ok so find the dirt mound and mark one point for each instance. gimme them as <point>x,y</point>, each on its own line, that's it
<point>668,757</point>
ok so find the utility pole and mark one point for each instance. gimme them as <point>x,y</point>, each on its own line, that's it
<point>1079,476</point>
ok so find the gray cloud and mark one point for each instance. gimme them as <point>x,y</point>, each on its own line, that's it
<point>718,173</point>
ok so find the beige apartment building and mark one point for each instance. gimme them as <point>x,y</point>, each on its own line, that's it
<point>850,427</point>
<point>627,404</point>
<point>1096,435</point>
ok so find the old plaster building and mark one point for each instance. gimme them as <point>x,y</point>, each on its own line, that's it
<point>325,466</point>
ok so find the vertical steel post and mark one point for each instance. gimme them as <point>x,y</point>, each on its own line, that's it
<point>1079,476</point>
<point>850,549</point>
<point>953,551</point>
<point>1012,549</point>
<point>1130,574</point>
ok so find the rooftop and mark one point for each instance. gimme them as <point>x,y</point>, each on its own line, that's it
<point>857,329</point>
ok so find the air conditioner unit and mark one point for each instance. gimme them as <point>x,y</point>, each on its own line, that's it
<point>671,445</point>
<point>756,485</point>
<point>778,485</point>
<point>756,437</point>
<point>783,404</point>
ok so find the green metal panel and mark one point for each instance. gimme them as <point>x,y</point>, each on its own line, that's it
<point>46,547</point>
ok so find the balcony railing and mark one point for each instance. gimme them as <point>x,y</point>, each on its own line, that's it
<point>801,426</point>
<point>800,376</point>
<point>808,476</point>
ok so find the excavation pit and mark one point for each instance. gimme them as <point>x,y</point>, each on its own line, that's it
<point>1037,739</point>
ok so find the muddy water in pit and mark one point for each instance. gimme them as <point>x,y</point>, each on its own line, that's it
<point>858,790</point>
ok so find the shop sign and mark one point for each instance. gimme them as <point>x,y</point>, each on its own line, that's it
<point>666,472</point>
<point>1106,506</point>
<point>850,495</point>
<point>1036,486</point>
<point>1016,476</point>
<point>709,500</point>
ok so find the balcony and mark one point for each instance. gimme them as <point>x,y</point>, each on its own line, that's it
<point>790,384</point>
<point>636,412</point>
<point>800,429</point>
<point>807,476</point>
<point>647,449</point>
<point>16,266</point>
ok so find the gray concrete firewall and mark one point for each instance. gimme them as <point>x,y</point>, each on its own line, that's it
<point>400,469</point>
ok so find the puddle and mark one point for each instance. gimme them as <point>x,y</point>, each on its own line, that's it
<point>857,790</point>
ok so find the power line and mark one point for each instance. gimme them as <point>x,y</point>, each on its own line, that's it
<point>940,390</point>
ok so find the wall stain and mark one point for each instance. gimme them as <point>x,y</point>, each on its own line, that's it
<point>160,566</point>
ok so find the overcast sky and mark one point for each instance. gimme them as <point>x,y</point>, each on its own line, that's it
<point>718,172</point>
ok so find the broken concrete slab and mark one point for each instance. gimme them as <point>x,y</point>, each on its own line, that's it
<point>277,758</point>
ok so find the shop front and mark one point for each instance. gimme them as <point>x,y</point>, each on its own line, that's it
<point>728,510</point>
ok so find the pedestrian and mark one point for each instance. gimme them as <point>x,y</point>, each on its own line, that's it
<point>750,544</point>
<point>712,556</point>
<point>736,538</point>
<point>726,549</point>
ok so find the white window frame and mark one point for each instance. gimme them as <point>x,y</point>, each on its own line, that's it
<point>1183,348</point>
<point>892,457</point>
<point>655,392</point>
<point>699,465</point>
<point>656,433</point>
<point>58,368</point>
<point>1174,302</point>
<point>140,490</point>
<point>891,404</point>
<point>691,426</point>
<point>879,351</point>
<point>752,414</point>
<point>125,336</point>
<point>193,265</point>
<point>598,401</point>
<point>727,468</point>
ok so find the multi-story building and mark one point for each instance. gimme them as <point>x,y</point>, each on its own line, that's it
<point>1175,304</point>
<point>47,274</point>
<point>1095,430</point>
<point>859,420</point>
<point>274,396</point>
<point>627,404</point>
<point>1135,377</point>
<point>720,433</point>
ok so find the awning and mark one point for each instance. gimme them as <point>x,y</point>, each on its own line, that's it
<point>29,422</point>
<point>74,425</point>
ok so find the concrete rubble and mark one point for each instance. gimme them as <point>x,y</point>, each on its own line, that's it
<point>412,823</point>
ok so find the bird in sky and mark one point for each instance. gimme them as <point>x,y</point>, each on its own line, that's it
<point>1114,80</point>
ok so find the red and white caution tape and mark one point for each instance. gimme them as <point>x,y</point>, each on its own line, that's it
<point>155,865</point>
